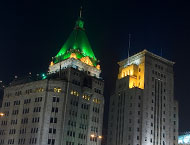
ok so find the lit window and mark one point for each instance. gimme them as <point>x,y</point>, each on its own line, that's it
<point>57,90</point>
<point>75,93</point>
<point>97,101</point>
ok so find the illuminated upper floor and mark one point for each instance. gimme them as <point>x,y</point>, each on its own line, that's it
<point>134,68</point>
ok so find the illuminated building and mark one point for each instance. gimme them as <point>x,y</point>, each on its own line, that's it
<point>184,139</point>
<point>142,109</point>
<point>65,107</point>
<point>76,53</point>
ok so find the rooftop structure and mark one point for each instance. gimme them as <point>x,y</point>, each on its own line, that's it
<point>77,53</point>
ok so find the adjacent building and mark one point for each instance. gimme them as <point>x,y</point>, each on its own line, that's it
<point>143,110</point>
<point>65,107</point>
<point>184,138</point>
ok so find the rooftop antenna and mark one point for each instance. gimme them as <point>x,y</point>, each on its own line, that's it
<point>129,47</point>
<point>161,52</point>
<point>80,15</point>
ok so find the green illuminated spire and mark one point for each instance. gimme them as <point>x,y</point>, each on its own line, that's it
<point>77,43</point>
<point>79,22</point>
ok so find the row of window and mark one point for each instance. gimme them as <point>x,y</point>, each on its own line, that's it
<point>17,102</point>
<point>20,141</point>
<point>7,104</point>
<point>25,111</point>
<point>82,136</point>
<point>130,129</point>
<point>94,139</point>
<point>72,123</point>
<point>84,106</point>
<point>98,82</point>
<point>34,130</point>
<point>11,141</point>
<point>15,112</point>
<point>95,119</point>
<point>73,113</point>
<point>71,133</point>
<point>96,100</point>
<point>26,101</point>
<point>76,82</point>
<point>69,143</point>
<point>57,90</point>
<point>84,116</point>
<point>18,93</point>
<point>86,97</point>
<point>12,131</point>
<point>97,90</point>
<point>22,131</point>
<point>35,119</point>
<point>4,122</point>
<point>53,120</point>
<point>32,140</point>
<point>38,99</point>
<point>75,93</point>
<point>158,74</point>
<point>52,130</point>
<point>54,109</point>
<point>94,129</point>
<point>2,132</point>
<point>29,91</point>
<point>55,99</point>
<point>51,141</point>
<point>37,109</point>
<point>158,66</point>
<point>24,120</point>
<point>74,102</point>
<point>83,126</point>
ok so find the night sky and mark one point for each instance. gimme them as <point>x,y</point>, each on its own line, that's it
<point>31,32</point>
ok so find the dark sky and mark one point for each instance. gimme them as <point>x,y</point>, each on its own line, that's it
<point>31,32</point>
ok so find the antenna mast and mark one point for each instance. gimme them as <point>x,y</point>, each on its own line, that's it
<point>129,47</point>
<point>161,52</point>
<point>80,15</point>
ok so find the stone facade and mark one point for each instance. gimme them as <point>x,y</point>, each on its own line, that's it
<point>142,109</point>
<point>59,110</point>
<point>75,63</point>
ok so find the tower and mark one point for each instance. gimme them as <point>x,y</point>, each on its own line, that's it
<point>63,108</point>
<point>142,109</point>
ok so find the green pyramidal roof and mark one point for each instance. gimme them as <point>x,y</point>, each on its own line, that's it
<point>77,43</point>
